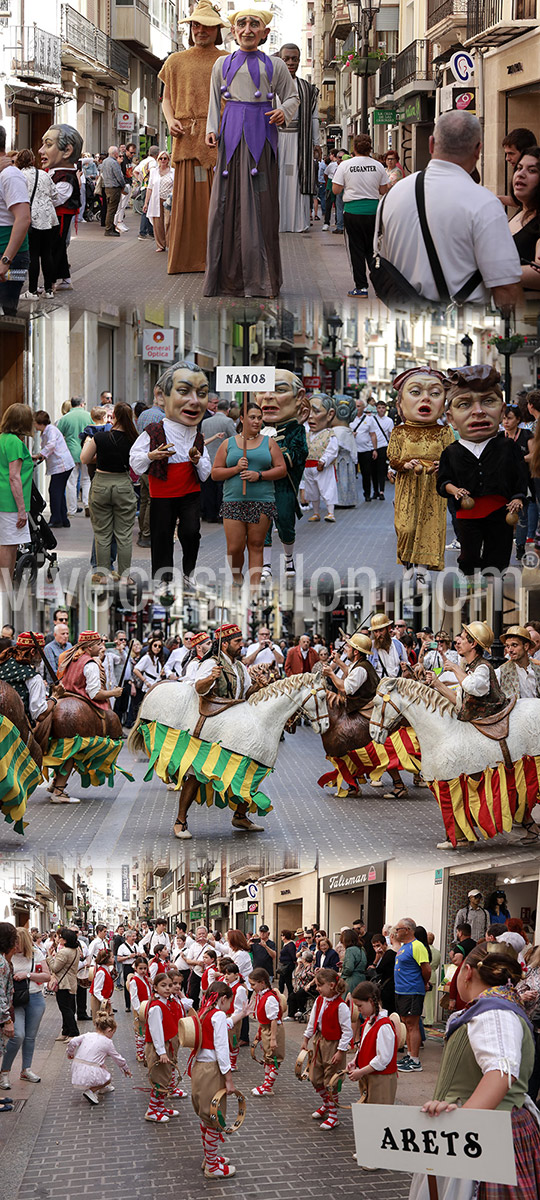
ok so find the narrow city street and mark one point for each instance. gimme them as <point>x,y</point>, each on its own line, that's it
<point>60,1146</point>
<point>107,273</point>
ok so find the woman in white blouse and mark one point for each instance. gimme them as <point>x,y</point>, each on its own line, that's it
<point>157,205</point>
<point>60,463</point>
<point>486,1064</point>
<point>149,669</point>
<point>43,197</point>
<point>29,967</point>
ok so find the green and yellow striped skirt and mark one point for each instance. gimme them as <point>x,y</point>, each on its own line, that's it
<point>225,778</point>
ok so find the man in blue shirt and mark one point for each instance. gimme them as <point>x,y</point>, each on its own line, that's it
<point>412,971</point>
<point>55,648</point>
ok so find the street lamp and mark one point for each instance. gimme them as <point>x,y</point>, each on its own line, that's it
<point>94,921</point>
<point>205,868</point>
<point>357,359</point>
<point>362,14</point>
<point>83,888</point>
<point>467,344</point>
<point>334,324</point>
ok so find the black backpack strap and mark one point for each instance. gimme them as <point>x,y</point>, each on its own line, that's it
<point>434,261</point>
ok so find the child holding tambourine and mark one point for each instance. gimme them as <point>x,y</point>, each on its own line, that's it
<point>140,992</point>
<point>374,1065</point>
<point>211,1073</point>
<point>331,1028</point>
<point>271,1033</point>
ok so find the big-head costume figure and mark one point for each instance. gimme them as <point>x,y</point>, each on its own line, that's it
<point>323,449</point>
<point>243,257</point>
<point>173,453</point>
<point>186,77</point>
<point>60,151</point>
<point>484,470</point>
<point>346,462</point>
<point>285,409</point>
<point>414,451</point>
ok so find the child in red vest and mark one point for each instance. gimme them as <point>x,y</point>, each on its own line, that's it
<point>210,1073</point>
<point>210,972</point>
<point>271,1033</point>
<point>140,990</point>
<point>102,986</point>
<point>375,1062</point>
<point>330,1026</point>
<point>239,1002</point>
<point>161,1029</point>
<point>183,1006</point>
<point>159,964</point>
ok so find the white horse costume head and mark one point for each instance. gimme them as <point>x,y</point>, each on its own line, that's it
<point>449,747</point>
<point>252,728</point>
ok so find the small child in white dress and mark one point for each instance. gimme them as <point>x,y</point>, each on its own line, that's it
<point>89,1052</point>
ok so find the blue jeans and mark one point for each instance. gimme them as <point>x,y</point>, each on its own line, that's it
<point>27,1022</point>
<point>146,229</point>
<point>10,289</point>
<point>339,211</point>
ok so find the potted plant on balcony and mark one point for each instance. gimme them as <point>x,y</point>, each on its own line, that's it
<point>507,345</point>
<point>367,64</point>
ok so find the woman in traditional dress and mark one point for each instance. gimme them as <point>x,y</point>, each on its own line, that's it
<point>486,1064</point>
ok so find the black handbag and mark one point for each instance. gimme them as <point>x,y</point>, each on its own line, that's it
<point>391,286</point>
<point>21,990</point>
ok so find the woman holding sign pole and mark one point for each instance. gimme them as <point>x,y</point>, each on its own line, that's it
<point>248,464</point>
<point>487,1062</point>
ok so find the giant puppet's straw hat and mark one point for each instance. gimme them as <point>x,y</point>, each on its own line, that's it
<point>359,641</point>
<point>480,633</point>
<point>252,10</point>
<point>206,13</point>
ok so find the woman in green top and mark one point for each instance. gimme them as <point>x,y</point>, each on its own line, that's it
<point>353,967</point>
<point>16,467</point>
<point>247,513</point>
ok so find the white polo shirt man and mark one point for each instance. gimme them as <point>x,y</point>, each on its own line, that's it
<point>469,228</point>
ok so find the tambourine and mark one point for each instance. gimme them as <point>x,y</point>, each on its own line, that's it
<point>91,973</point>
<point>302,1064</point>
<point>336,1081</point>
<point>362,1099</point>
<point>143,1009</point>
<point>217,1116</point>
<point>253,1052</point>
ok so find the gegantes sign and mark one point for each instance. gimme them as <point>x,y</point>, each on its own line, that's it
<point>343,881</point>
<point>158,345</point>
<point>245,379</point>
<point>465,1144</point>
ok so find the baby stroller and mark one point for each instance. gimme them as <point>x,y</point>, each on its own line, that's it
<point>93,202</point>
<point>41,547</point>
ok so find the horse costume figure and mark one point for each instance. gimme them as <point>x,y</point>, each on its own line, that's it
<point>230,747</point>
<point>477,792</point>
<point>20,757</point>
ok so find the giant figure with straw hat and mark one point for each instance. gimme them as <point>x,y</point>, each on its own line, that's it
<point>186,78</point>
<point>243,257</point>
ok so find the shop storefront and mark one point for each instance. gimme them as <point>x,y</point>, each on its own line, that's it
<point>291,902</point>
<point>352,894</point>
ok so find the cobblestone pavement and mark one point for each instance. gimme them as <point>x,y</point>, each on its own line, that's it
<point>110,824</point>
<point>107,272</point>
<point>56,1145</point>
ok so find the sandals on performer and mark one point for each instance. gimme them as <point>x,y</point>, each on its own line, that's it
<point>315,517</point>
<point>397,793</point>
<point>532,836</point>
<point>181,830</point>
<point>60,796</point>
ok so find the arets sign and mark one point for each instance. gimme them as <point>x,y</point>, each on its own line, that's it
<point>356,877</point>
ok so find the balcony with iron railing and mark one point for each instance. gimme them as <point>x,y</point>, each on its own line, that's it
<point>35,54</point>
<point>447,11</point>
<point>86,39</point>
<point>493,22</point>
<point>386,74</point>
<point>413,66</point>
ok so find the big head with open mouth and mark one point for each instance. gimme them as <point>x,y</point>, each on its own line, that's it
<point>187,400</point>
<point>421,396</point>
<point>475,402</point>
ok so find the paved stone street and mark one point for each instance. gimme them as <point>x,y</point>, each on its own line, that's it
<point>55,1145</point>
<point>107,272</point>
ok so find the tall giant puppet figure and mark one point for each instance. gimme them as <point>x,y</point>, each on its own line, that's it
<point>285,409</point>
<point>243,256</point>
<point>296,143</point>
<point>186,76</point>
<point>61,148</point>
